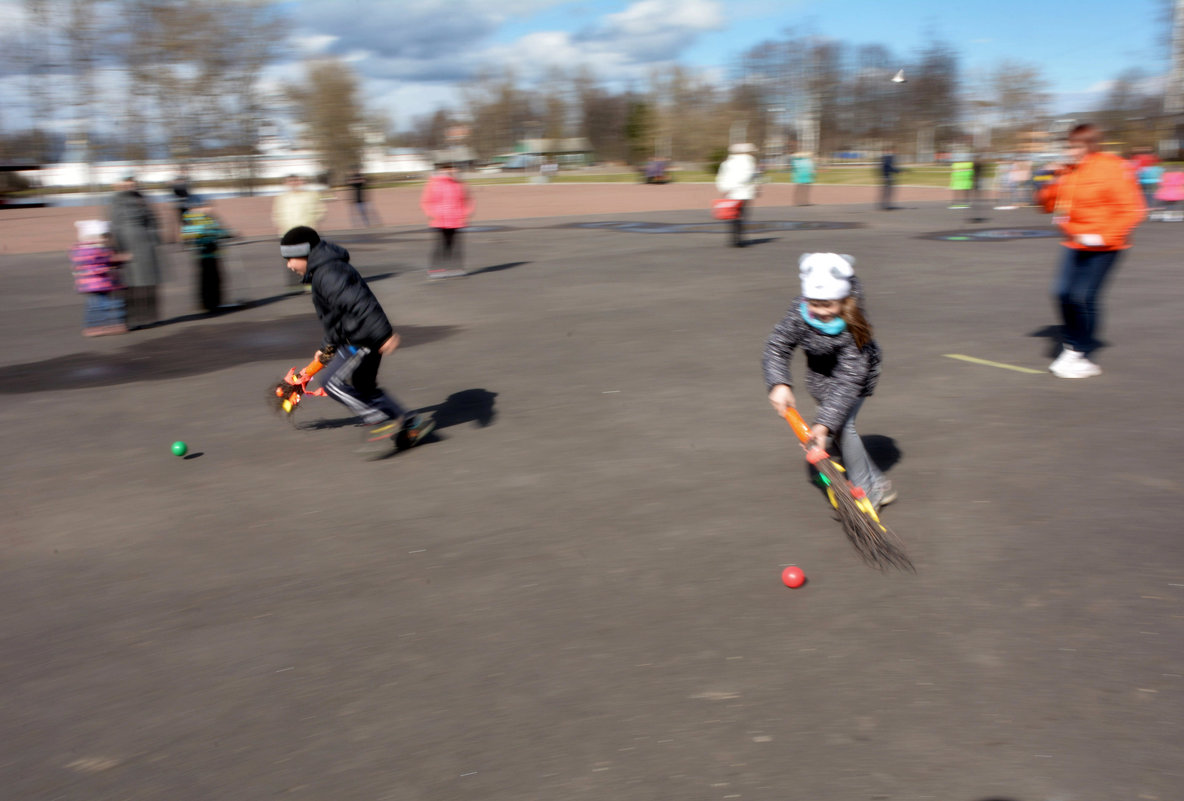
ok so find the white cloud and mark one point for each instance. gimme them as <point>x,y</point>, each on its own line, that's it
<point>656,30</point>
<point>646,16</point>
<point>314,44</point>
<point>420,51</point>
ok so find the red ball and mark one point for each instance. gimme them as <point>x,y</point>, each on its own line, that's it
<point>793,577</point>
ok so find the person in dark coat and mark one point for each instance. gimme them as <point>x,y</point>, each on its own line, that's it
<point>888,171</point>
<point>135,230</point>
<point>357,334</point>
<point>203,232</point>
<point>360,211</point>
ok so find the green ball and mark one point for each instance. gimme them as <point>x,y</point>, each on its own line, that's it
<point>180,448</point>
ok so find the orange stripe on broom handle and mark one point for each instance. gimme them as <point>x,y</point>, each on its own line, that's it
<point>797,424</point>
<point>802,430</point>
<point>312,368</point>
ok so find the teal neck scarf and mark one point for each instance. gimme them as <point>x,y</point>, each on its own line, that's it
<point>836,326</point>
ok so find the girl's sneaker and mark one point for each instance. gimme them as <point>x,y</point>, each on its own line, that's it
<point>886,494</point>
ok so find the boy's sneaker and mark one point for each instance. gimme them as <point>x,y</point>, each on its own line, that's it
<point>414,430</point>
<point>453,274</point>
<point>380,440</point>
<point>437,274</point>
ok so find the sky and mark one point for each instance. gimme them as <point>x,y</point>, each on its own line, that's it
<point>413,54</point>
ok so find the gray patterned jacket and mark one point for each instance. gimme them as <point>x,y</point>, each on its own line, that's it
<point>838,373</point>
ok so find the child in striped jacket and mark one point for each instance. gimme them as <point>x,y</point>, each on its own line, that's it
<point>96,276</point>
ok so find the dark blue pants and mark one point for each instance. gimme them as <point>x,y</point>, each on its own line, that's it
<point>1083,273</point>
<point>350,378</point>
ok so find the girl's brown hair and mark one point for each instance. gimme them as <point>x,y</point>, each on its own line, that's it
<point>857,324</point>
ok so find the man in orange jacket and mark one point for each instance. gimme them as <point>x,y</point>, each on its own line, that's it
<point>1096,203</point>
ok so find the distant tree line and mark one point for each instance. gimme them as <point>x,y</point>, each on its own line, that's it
<point>181,79</point>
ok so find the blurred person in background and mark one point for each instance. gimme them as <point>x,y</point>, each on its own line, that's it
<point>978,177</point>
<point>1021,183</point>
<point>1004,191</point>
<point>203,233</point>
<point>1043,173</point>
<point>360,210</point>
<point>801,172</point>
<point>736,180</point>
<point>135,231</point>
<point>961,182</point>
<point>181,201</point>
<point>655,171</point>
<point>888,171</point>
<point>1149,176</point>
<point>1169,195</point>
<point>448,204</point>
<point>96,276</point>
<point>1096,202</point>
<point>296,206</point>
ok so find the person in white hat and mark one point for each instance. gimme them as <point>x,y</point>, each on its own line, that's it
<point>842,362</point>
<point>737,180</point>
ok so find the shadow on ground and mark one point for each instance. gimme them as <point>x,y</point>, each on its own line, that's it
<point>498,267</point>
<point>189,352</point>
<point>466,406</point>
<point>231,308</point>
<point>883,450</point>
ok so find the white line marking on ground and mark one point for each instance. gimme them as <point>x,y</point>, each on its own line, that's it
<point>973,360</point>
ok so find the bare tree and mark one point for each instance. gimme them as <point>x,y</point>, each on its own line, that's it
<point>1128,111</point>
<point>1018,92</point>
<point>331,112</point>
<point>40,51</point>
<point>501,112</point>
<point>602,117</point>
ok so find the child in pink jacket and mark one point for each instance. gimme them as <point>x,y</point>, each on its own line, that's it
<point>1171,192</point>
<point>448,204</point>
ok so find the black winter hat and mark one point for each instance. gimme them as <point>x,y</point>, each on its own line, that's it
<point>299,242</point>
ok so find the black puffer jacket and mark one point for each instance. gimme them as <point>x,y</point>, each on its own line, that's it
<point>346,307</point>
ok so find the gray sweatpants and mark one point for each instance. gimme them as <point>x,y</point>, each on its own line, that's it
<point>861,470</point>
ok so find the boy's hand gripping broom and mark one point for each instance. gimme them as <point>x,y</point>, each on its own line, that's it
<point>285,396</point>
<point>873,541</point>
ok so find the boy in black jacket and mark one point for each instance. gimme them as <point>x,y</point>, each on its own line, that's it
<point>358,334</point>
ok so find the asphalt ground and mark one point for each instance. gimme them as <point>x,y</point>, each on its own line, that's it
<point>572,592</point>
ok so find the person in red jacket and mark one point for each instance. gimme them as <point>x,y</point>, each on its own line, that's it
<point>1097,203</point>
<point>448,204</point>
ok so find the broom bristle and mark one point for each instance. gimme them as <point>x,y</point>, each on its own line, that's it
<point>875,543</point>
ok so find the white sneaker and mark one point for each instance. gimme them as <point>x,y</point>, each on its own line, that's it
<point>1078,367</point>
<point>1067,356</point>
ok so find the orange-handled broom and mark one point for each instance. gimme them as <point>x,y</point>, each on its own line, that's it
<point>873,541</point>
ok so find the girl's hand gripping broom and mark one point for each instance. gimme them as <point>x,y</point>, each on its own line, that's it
<point>873,541</point>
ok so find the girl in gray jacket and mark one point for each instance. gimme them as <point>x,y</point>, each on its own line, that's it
<point>842,363</point>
